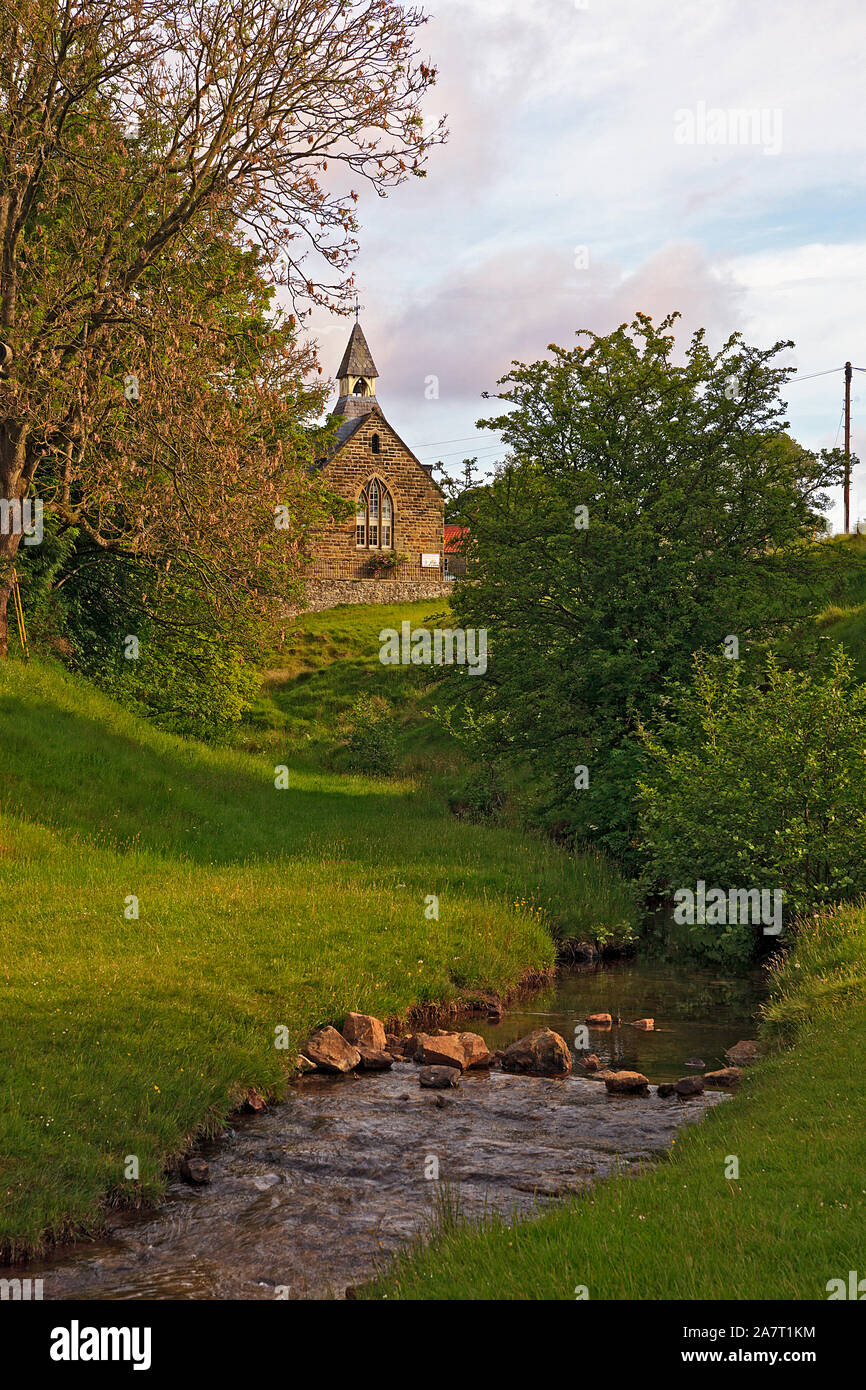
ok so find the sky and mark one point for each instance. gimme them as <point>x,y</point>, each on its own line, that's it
<point>596,166</point>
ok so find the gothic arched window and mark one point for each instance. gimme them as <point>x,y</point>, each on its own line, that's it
<point>374,518</point>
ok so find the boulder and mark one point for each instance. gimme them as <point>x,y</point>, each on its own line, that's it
<point>647,1024</point>
<point>254,1103</point>
<point>375,1059</point>
<point>626,1083</point>
<point>590,1063</point>
<point>447,1051</point>
<point>303,1064</point>
<point>194,1171</point>
<point>439,1078</point>
<point>666,1089</point>
<point>475,1050</point>
<point>694,1062</point>
<point>599,1020</point>
<point>689,1086</point>
<point>725,1078</point>
<point>411,1043</point>
<point>330,1051</point>
<point>362,1030</point>
<point>743,1054</point>
<point>540,1053</point>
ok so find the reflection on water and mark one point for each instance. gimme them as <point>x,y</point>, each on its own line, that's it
<point>697,1015</point>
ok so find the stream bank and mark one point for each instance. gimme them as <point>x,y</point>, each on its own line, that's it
<point>310,1197</point>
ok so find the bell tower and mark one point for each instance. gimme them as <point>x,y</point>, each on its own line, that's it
<point>356,377</point>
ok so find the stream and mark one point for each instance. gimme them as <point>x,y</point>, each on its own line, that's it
<point>312,1196</point>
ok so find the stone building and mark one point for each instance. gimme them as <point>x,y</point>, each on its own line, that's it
<point>392,547</point>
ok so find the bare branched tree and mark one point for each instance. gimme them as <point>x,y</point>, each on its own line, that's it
<point>134,139</point>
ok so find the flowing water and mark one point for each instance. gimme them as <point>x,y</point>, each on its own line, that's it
<point>313,1195</point>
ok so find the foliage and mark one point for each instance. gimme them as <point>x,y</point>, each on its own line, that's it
<point>758,785</point>
<point>158,164</point>
<point>383,562</point>
<point>478,795</point>
<point>372,745</point>
<point>699,524</point>
<point>193,672</point>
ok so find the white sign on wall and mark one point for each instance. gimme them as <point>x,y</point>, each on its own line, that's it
<point>430,562</point>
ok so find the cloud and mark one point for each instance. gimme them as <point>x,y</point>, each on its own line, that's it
<point>562,124</point>
<point>513,304</point>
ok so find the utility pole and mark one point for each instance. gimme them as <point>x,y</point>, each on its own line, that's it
<point>847,491</point>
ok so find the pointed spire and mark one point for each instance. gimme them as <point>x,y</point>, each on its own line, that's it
<point>357,359</point>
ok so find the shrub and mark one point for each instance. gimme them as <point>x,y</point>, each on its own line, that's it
<point>758,785</point>
<point>192,676</point>
<point>372,744</point>
<point>478,796</point>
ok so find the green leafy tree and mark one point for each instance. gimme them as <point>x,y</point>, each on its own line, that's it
<point>651,507</point>
<point>758,784</point>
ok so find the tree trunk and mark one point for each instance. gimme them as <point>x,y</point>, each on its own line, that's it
<point>8,550</point>
<point>11,476</point>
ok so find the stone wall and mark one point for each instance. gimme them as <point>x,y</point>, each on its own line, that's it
<point>327,593</point>
<point>418,503</point>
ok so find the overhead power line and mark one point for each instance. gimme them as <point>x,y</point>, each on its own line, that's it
<point>460,453</point>
<point>437,443</point>
<point>811,377</point>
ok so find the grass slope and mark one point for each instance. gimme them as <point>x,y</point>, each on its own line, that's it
<point>258,908</point>
<point>840,601</point>
<point>326,663</point>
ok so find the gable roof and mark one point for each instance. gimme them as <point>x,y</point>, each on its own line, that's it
<point>357,359</point>
<point>350,426</point>
<point>346,430</point>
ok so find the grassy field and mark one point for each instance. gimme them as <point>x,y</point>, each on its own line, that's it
<point>258,908</point>
<point>790,1221</point>
<point>330,662</point>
